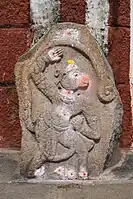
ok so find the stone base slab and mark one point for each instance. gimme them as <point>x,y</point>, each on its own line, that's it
<point>118,184</point>
<point>87,190</point>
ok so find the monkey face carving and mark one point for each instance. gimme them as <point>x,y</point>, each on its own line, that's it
<point>73,78</point>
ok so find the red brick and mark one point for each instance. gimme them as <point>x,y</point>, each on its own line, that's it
<point>14,12</point>
<point>73,11</point>
<point>126,138</point>
<point>13,43</point>
<point>10,135</point>
<point>119,53</point>
<point>119,13</point>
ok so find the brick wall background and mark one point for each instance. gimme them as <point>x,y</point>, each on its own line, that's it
<point>119,58</point>
<point>16,38</point>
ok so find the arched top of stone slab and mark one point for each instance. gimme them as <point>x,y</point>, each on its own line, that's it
<point>78,37</point>
<point>72,35</point>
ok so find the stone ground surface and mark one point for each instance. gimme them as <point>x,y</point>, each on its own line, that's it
<point>114,184</point>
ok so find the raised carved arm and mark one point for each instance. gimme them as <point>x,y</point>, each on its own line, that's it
<point>35,71</point>
<point>53,55</point>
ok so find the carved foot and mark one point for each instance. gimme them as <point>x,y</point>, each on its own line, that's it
<point>83,173</point>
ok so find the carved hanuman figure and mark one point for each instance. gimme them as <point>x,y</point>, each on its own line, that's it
<point>66,87</point>
<point>63,123</point>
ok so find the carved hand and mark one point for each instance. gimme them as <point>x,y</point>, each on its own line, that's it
<point>55,54</point>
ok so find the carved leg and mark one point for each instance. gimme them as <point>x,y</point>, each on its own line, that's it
<point>73,141</point>
<point>82,153</point>
<point>46,138</point>
<point>64,156</point>
<point>36,162</point>
<point>87,125</point>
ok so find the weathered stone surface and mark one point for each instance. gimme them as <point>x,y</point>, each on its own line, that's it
<point>70,110</point>
<point>116,190</point>
<point>115,183</point>
<point>97,13</point>
<point>57,190</point>
<point>8,164</point>
<point>44,14</point>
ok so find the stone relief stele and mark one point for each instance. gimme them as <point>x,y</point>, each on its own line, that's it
<point>70,110</point>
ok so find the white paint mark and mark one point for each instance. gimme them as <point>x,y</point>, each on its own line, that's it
<point>40,172</point>
<point>97,15</point>
<point>44,13</point>
<point>131,54</point>
<point>66,173</point>
<point>71,67</point>
<point>68,34</point>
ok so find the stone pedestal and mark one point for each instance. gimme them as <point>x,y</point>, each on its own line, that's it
<point>117,184</point>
